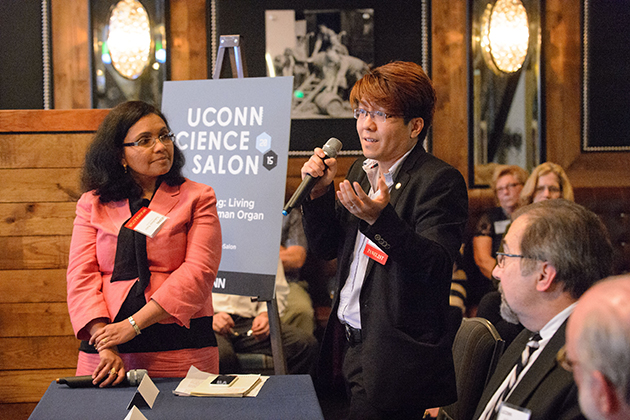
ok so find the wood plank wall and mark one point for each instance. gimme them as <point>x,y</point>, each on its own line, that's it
<point>40,156</point>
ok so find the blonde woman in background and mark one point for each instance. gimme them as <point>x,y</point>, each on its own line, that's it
<point>548,181</point>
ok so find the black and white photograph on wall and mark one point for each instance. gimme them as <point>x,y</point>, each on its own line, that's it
<point>326,51</point>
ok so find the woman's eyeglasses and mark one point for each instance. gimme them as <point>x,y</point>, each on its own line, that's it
<point>149,141</point>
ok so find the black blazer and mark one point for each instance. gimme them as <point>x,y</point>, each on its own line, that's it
<point>407,339</point>
<point>546,389</point>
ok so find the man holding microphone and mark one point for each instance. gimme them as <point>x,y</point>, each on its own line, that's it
<point>395,228</point>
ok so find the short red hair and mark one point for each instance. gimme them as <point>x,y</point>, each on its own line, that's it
<point>400,88</point>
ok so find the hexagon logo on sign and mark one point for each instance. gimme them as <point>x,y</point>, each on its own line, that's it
<point>263,142</point>
<point>270,160</point>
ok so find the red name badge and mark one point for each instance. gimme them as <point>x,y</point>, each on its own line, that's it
<point>147,222</point>
<point>376,254</point>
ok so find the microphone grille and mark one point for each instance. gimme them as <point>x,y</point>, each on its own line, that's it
<point>332,147</point>
<point>135,376</point>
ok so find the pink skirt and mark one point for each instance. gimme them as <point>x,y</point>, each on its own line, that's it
<point>162,364</point>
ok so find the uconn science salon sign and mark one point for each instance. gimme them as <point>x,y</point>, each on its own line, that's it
<point>234,134</point>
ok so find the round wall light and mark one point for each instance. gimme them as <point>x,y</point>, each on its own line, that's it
<point>505,35</point>
<point>129,38</point>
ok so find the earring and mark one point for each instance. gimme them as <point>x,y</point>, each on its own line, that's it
<point>125,166</point>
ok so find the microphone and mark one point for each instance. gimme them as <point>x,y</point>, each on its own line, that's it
<point>331,148</point>
<point>133,378</point>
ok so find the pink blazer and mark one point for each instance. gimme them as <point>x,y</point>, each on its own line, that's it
<point>183,257</point>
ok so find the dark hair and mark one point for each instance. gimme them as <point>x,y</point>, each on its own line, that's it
<point>400,88</point>
<point>571,238</point>
<point>103,171</point>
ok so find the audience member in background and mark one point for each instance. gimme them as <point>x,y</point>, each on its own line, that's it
<point>546,182</point>
<point>552,253</point>
<point>122,283</point>
<point>299,310</point>
<point>598,349</point>
<point>507,183</point>
<point>395,228</point>
<point>242,326</point>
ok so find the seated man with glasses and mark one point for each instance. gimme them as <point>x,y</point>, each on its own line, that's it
<point>598,349</point>
<point>552,253</point>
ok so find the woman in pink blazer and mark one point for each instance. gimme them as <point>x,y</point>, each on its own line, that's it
<point>142,301</point>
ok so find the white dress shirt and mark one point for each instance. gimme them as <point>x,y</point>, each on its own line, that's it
<point>349,311</point>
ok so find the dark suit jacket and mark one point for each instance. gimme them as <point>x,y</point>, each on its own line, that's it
<point>546,389</point>
<point>407,338</point>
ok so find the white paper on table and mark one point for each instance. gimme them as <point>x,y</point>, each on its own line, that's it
<point>254,391</point>
<point>193,379</point>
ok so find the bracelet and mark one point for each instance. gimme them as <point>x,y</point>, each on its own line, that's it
<point>134,325</point>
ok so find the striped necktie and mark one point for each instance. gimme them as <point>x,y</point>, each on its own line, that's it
<point>531,346</point>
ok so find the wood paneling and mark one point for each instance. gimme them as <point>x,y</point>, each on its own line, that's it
<point>23,286</point>
<point>70,48</point>
<point>30,219</point>
<point>43,150</point>
<point>19,386</point>
<point>188,40</point>
<point>39,353</point>
<point>41,153</point>
<point>449,73</point>
<point>51,121</point>
<point>40,185</point>
<point>34,320</point>
<point>16,411</point>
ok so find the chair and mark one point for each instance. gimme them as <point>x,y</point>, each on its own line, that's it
<point>476,351</point>
<point>255,363</point>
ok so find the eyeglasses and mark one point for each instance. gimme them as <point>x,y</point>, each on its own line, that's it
<point>149,141</point>
<point>376,116</point>
<point>563,359</point>
<point>501,258</point>
<point>551,188</point>
<point>508,187</point>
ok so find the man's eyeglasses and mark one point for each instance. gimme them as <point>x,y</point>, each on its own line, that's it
<point>376,116</point>
<point>508,187</point>
<point>149,141</point>
<point>501,258</point>
<point>563,359</point>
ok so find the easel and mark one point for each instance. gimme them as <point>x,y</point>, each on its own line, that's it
<point>238,71</point>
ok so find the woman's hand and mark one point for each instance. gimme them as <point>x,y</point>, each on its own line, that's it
<point>112,335</point>
<point>111,369</point>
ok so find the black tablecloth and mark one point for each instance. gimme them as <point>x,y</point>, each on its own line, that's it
<point>282,397</point>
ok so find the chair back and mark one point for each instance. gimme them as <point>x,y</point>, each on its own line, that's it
<point>476,351</point>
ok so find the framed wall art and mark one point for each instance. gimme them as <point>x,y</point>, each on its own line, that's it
<point>326,46</point>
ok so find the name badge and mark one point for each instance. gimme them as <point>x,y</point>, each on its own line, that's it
<point>511,412</point>
<point>500,226</point>
<point>375,253</point>
<point>147,222</point>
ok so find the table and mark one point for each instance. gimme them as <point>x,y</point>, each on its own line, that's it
<point>282,397</point>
